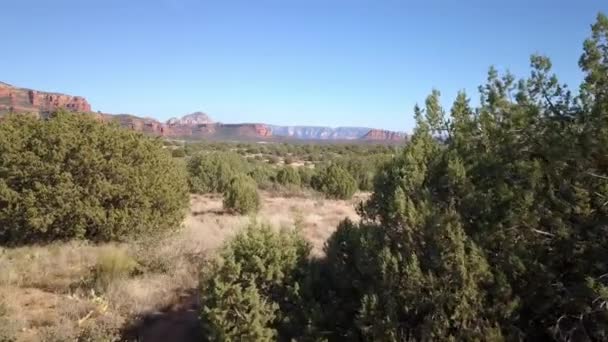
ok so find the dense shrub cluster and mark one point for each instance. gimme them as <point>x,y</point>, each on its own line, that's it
<point>288,176</point>
<point>335,182</point>
<point>70,176</point>
<point>363,168</point>
<point>490,225</point>
<point>212,172</point>
<point>212,165</point>
<point>263,175</point>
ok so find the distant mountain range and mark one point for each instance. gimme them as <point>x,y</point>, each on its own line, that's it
<point>197,125</point>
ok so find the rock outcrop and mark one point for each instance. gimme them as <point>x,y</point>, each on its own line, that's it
<point>384,135</point>
<point>195,118</point>
<point>28,100</point>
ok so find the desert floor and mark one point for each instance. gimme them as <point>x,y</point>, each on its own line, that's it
<point>52,293</point>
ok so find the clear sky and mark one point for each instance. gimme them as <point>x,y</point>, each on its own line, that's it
<point>310,62</point>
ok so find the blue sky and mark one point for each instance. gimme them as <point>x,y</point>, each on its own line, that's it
<point>310,62</point>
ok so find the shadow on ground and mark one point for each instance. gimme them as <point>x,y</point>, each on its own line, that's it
<point>178,323</point>
<point>219,212</point>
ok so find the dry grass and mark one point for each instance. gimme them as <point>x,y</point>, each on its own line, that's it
<point>318,217</point>
<point>72,290</point>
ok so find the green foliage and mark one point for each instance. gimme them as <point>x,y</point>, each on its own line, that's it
<point>252,293</point>
<point>288,176</point>
<point>263,174</point>
<point>241,195</point>
<point>508,208</point>
<point>70,176</point>
<point>306,174</point>
<point>212,165</point>
<point>212,172</point>
<point>363,168</point>
<point>345,276</point>
<point>274,159</point>
<point>335,182</point>
<point>178,153</point>
<point>489,225</point>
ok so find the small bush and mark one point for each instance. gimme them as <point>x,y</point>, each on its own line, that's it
<point>252,292</point>
<point>335,182</point>
<point>178,153</point>
<point>288,176</point>
<point>241,195</point>
<point>289,160</point>
<point>306,175</point>
<point>274,159</point>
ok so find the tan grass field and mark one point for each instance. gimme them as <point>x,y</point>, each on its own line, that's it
<point>143,290</point>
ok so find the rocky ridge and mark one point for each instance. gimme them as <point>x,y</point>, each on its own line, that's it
<point>13,99</point>
<point>197,125</point>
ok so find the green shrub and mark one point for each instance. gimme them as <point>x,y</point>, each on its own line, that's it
<point>306,175</point>
<point>252,292</point>
<point>363,168</point>
<point>335,182</point>
<point>178,153</point>
<point>288,176</point>
<point>358,263</point>
<point>241,195</point>
<point>496,215</point>
<point>289,160</point>
<point>70,176</point>
<point>263,174</point>
<point>212,172</point>
<point>274,159</point>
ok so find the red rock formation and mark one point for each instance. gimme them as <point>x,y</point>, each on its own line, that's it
<point>195,125</point>
<point>52,102</point>
<point>263,130</point>
<point>187,128</point>
<point>384,135</point>
<point>27,100</point>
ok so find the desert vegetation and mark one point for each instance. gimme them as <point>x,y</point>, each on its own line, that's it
<point>488,225</point>
<point>144,288</point>
<point>92,246</point>
<point>336,171</point>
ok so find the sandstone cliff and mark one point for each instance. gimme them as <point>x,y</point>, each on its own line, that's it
<point>384,135</point>
<point>28,100</point>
